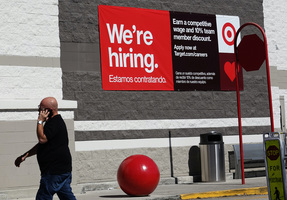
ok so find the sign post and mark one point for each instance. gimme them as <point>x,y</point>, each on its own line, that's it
<point>251,45</point>
<point>274,147</point>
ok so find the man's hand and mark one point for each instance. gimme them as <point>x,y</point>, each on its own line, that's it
<point>43,115</point>
<point>20,159</point>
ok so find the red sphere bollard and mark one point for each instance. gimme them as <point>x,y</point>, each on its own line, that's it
<point>138,175</point>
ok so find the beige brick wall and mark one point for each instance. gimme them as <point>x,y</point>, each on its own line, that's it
<point>90,164</point>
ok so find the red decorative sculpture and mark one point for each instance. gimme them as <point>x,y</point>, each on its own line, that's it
<point>138,175</point>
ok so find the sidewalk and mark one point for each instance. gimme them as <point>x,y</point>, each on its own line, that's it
<point>232,187</point>
<point>165,191</point>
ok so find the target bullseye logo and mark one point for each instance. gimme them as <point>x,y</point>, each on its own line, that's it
<point>228,33</point>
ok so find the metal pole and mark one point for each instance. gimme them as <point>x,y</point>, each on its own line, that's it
<point>239,108</point>
<point>239,123</point>
<point>238,94</point>
<point>170,154</point>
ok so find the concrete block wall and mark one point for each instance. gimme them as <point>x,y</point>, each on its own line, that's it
<point>30,50</point>
<point>93,162</point>
<point>110,125</point>
<point>29,71</point>
<point>275,29</point>
<point>30,28</point>
<point>16,139</point>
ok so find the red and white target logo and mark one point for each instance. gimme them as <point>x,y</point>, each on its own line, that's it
<point>228,33</point>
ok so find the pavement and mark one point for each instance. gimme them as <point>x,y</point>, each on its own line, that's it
<point>183,191</point>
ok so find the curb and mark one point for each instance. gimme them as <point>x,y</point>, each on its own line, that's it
<point>226,193</point>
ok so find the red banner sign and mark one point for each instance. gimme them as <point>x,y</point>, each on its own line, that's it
<point>144,49</point>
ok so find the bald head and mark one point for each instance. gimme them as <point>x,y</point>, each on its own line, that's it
<point>50,103</point>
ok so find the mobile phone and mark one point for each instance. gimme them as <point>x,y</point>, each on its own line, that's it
<point>50,113</point>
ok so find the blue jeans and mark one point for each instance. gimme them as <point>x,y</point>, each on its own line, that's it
<point>55,184</point>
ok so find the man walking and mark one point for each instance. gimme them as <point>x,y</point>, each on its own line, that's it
<point>53,153</point>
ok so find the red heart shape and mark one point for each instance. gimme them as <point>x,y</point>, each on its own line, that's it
<point>229,69</point>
